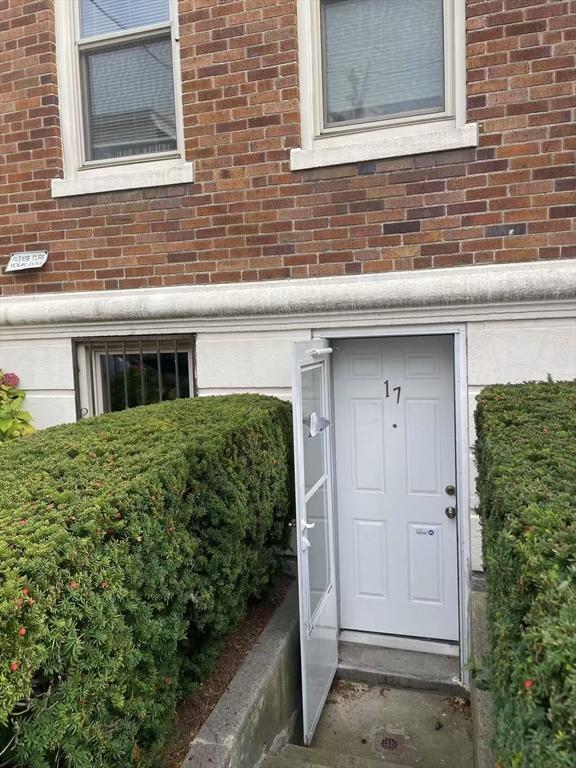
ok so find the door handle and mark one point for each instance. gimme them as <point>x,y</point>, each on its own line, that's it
<point>450,512</point>
<point>304,526</point>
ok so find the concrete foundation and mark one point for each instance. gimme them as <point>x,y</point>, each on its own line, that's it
<point>261,707</point>
<point>481,701</point>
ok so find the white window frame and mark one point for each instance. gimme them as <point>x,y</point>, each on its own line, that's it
<point>87,177</point>
<point>88,353</point>
<point>408,135</point>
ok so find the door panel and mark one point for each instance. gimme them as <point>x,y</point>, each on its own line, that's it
<point>426,577</point>
<point>315,526</point>
<point>367,417</point>
<point>395,455</point>
<point>371,557</point>
<point>423,446</point>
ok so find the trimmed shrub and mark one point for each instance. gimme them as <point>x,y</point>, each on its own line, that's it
<point>526,454</point>
<point>129,545</point>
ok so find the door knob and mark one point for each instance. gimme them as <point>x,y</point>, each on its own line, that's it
<point>450,490</point>
<point>450,512</point>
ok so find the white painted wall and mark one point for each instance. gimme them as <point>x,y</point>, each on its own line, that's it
<point>241,362</point>
<point>45,370</point>
<point>511,352</point>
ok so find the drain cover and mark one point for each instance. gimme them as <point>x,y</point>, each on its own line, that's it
<point>391,742</point>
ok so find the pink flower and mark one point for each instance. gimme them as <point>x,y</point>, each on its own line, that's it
<point>10,380</point>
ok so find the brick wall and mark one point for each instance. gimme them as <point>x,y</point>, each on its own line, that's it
<point>247,216</point>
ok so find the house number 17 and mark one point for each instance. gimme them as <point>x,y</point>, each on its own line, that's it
<point>394,389</point>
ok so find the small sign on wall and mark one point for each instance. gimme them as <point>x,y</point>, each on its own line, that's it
<point>26,260</point>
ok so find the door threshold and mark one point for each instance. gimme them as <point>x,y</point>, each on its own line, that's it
<point>399,668</point>
<point>416,644</point>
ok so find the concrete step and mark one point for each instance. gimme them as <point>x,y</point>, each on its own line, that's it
<point>309,756</point>
<point>396,668</point>
<point>277,761</point>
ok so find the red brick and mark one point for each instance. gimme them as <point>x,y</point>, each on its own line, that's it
<point>247,216</point>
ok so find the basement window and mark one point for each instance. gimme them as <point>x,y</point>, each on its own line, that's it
<point>114,374</point>
<point>119,85</point>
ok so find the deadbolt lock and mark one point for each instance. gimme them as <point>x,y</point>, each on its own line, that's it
<point>450,490</point>
<point>450,512</point>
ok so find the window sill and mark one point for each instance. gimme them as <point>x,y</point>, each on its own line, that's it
<point>355,148</point>
<point>157,173</point>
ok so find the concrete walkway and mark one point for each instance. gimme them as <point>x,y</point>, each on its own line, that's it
<point>398,726</point>
<point>366,726</point>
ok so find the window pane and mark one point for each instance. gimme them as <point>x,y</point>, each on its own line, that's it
<point>312,408</point>
<point>100,17</point>
<point>318,553</point>
<point>382,58</point>
<point>138,378</point>
<point>113,382</point>
<point>169,378</point>
<point>130,101</point>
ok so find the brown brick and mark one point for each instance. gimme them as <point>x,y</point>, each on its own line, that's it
<point>247,216</point>
<point>400,227</point>
<point>554,172</point>
<point>563,212</point>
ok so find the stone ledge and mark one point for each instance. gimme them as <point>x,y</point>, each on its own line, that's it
<point>261,704</point>
<point>485,285</point>
<point>480,701</point>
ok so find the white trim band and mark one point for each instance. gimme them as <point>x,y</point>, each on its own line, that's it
<point>449,287</point>
<point>152,173</point>
<point>388,145</point>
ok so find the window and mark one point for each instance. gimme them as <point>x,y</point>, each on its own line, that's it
<point>380,78</point>
<point>115,374</point>
<point>119,83</point>
<point>404,72</point>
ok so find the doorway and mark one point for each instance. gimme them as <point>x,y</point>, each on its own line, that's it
<point>395,457</point>
<point>380,546</point>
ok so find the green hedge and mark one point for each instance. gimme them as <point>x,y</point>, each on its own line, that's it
<point>129,544</point>
<point>526,454</point>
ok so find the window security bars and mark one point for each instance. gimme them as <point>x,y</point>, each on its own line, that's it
<point>114,374</point>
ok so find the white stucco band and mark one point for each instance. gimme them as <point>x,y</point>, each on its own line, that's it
<point>518,321</point>
<point>453,287</point>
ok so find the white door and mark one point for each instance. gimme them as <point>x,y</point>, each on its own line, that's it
<point>316,575</point>
<point>396,477</point>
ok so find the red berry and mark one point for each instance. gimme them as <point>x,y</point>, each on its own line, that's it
<point>25,591</point>
<point>22,631</point>
<point>31,601</point>
<point>528,684</point>
<point>23,522</point>
<point>14,666</point>
<point>74,585</point>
